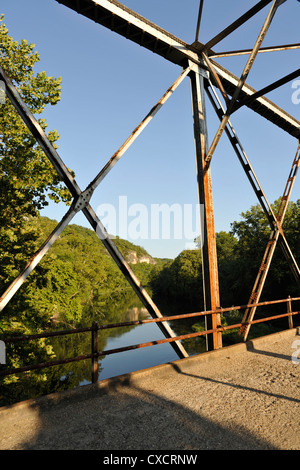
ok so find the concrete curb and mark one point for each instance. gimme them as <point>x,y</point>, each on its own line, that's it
<point>134,378</point>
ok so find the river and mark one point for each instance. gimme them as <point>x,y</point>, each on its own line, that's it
<point>128,361</point>
<point>75,374</point>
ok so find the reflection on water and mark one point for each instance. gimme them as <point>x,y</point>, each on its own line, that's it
<point>129,361</point>
<point>74,374</point>
<point>141,358</point>
<point>124,362</point>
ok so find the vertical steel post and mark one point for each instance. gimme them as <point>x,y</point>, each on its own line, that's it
<point>95,367</point>
<point>289,309</point>
<point>208,238</point>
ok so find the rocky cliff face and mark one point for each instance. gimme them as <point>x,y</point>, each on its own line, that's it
<point>133,258</point>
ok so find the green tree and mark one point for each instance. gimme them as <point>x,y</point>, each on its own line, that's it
<point>180,282</point>
<point>226,243</point>
<point>27,178</point>
<point>252,233</point>
<point>240,253</point>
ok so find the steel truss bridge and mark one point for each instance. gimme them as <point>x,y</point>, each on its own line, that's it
<point>227,94</point>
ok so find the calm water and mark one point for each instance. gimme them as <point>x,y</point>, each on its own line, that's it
<point>72,375</point>
<point>129,361</point>
<point>141,358</point>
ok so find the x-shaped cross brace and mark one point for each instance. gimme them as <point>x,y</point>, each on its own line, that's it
<point>81,203</point>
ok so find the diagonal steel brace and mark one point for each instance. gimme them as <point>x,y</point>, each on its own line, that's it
<point>242,80</point>
<point>275,221</point>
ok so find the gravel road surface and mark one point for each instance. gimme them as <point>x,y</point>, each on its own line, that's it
<point>241,397</point>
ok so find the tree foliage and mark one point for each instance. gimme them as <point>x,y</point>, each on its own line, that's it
<point>240,253</point>
<point>80,279</point>
<point>180,281</point>
<point>252,233</point>
<point>27,178</point>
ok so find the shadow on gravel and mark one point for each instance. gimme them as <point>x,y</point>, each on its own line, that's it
<point>240,387</point>
<point>131,419</point>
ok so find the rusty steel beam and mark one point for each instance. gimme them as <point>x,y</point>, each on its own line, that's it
<point>199,19</point>
<point>39,134</point>
<point>286,47</point>
<point>95,354</point>
<point>236,24</point>
<point>242,156</point>
<point>262,105</point>
<point>126,22</point>
<point>242,80</point>
<point>208,237</point>
<point>270,249</point>
<point>215,77</point>
<point>267,89</point>
<point>117,17</point>
<point>35,259</point>
<point>133,136</point>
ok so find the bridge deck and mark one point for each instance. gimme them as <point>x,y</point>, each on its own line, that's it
<point>240,397</point>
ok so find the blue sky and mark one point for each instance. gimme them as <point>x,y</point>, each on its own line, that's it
<point>109,84</point>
